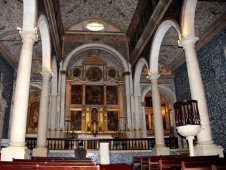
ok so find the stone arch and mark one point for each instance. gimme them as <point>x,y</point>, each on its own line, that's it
<point>168,93</point>
<point>161,31</point>
<point>141,63</point>
<point>96,46</point>
<point>29,15</point>
<point>188,18</point>
<point>46,45</point>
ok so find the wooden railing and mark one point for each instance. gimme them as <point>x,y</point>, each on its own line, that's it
<point>114,144</point>
<point>186,113</point>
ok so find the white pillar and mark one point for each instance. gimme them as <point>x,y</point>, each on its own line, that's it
<point>137,115</point>
<point>160,148</point>
<point>17,148</point>
<point>205,145</point>
<point>53,115</point>
<point>143,121</point>
<point>128,105</point>
<point>62,102</point>
<point>41,149</point>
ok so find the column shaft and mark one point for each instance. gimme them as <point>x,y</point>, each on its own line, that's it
<point>19,117</point>
<point>43,111</point>
<point>121,108</point>
<point>197,89</point>
<point>157,111</point>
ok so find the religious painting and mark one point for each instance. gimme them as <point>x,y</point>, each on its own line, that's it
<point>76,94</point>
<point>112,95</point>
<point>94,95</point>
<point>94,114</point>
<point>76,72</point>
<point>34,112</point>
<point>94,74</point>
<point>76,120</point>
<point>112,120</point>
<point>111,73</point>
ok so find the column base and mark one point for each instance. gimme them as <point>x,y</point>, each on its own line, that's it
<point>203,150</point>
<point>160,151</point>
<point>40,152</point>
<point>8,153</point>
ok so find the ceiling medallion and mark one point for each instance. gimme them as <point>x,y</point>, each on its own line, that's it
<point>95,26</point>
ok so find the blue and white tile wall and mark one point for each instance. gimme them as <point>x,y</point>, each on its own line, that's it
<point>7,73</point>
<point>115,157</point>
<point>212,64</point>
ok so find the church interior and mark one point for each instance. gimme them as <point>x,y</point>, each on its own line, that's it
<point>111,70</point>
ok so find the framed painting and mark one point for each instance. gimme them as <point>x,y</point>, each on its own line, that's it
<point>94,95</point>
<point>112,120</point>
<point>76,120</point>
<point>112,95</point>
<point>76,94</point>
<point>94,74</point>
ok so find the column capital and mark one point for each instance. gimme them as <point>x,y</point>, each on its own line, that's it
<point>188,41</point>
<point>28,35</point>
<point>46,74</point>
<point>153,76</point>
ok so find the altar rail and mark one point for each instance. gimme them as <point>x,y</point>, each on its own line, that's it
<point>94,144</point>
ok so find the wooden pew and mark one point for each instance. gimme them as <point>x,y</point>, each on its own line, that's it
<point>176,162</point>
<point>56,158</point>
<point>202,165</point>
<point>218,167</point>
<point>64,161</point>
<point>46,167</point>
<point>144,161</point>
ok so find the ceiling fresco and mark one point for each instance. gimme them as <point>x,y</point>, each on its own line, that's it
<point>117,12</point>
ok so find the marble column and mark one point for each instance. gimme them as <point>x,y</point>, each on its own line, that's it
<point>53,115</point>
<point>41,149</point>
<point>128,105</point>
<point>62,102</point>
<point>137,115</point>
<point>121,108</point>
<point>160,148</point>
<point>143,121</point>
<point>17,148</point>
<point>206,144</point>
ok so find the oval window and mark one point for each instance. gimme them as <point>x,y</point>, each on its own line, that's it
<point>95,26</point>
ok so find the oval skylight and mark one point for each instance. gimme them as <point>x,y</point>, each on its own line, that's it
<point>95,26</point>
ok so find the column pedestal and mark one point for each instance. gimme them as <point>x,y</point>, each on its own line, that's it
<point>160,151</point>
<point>14,152</point>
<point>40,152</point>
<point>204,150</point>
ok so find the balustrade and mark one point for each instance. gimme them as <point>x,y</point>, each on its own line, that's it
<point>94,144</point>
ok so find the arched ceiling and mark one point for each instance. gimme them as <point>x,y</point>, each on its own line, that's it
<point>117,12</point>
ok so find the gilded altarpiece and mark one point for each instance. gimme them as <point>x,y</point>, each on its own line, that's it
<point>93,98</point>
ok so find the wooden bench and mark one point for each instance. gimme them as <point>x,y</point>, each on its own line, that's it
<point>50,163</point>
<point>64,161</point>
<point>202,165</point>
<point>176,162</point>
<point>144,161</point>
<point>57,158</point>
<point>217,167</point>
<point>46,167</point>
